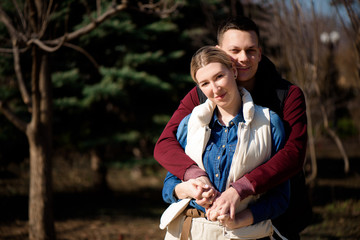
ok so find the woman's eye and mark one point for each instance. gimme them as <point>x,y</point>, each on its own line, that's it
<point>219,76</point>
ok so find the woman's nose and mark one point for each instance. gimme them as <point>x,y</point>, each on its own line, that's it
<point>216,87</point>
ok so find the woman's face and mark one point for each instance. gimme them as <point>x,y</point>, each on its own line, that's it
<point>218,84</point>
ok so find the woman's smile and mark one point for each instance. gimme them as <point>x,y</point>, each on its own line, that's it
<point>220,97</point>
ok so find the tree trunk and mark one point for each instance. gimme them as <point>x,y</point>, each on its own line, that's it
<point>311,142</point>
<point>336,139</point>
<point>39,134</point>
<point>100,171</point>
<point>40,197</point>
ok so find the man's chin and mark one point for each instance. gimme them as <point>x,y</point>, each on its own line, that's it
<point>243,79</point>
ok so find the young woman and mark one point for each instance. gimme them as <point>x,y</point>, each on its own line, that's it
<point>227,136</point>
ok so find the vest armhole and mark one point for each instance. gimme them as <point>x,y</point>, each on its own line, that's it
<point>201,95</point>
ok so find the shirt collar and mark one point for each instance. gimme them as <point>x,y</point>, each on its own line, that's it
<point>236,120</point>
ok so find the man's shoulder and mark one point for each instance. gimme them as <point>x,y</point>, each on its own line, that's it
<point>283,84</point>
<point>288,88</point>
<point>295,91</point>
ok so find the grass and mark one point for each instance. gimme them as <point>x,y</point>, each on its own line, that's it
<point>132,206</point>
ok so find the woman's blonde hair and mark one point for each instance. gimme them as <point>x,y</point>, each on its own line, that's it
<point>207,55</point>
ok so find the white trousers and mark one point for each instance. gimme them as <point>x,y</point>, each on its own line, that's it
<point>202,229</point>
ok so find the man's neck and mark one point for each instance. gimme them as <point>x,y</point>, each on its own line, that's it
<point>248,85</point>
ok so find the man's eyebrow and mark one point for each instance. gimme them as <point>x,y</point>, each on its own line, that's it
<point>232,46</point>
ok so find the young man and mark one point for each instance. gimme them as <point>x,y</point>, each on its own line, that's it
<point>239,37</point>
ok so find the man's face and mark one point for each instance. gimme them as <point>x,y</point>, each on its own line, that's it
<point>243,48</point>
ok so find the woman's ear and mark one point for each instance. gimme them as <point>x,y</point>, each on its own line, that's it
<point>234,70</point>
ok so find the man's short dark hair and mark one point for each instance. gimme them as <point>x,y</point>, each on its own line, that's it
<point>237,23</point>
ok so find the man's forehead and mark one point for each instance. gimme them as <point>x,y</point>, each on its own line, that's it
<point>234,36</point>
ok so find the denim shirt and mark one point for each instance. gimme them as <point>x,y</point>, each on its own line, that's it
<point>217,159</point>
<point>219,151</point>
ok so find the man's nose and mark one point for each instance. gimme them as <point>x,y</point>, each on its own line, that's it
<point>242,56</point>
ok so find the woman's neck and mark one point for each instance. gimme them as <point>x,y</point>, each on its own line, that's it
<point>225,115</point>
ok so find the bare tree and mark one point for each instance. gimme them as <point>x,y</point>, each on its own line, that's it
<point>354,31</point>
<point>352,8</point>
<point>29,33</point>
<point>300,41</point>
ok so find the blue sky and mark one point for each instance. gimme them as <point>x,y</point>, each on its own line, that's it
<point>323,7</point>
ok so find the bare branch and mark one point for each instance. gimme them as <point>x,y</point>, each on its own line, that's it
<point>14,34</point>
<point>6,50</point>
<point>39,11</point>
<point>21,125</point>
<point>83,51</point>
<point>35,91</point>
<point>88,11</point>
<point>44,47</point>
<point>341,19</point>
<point>98,7</point>
<point>163,8</point>
<point>354,18</point>
<point>111,11</point>
<point>45,20</point>
<point>45,91</point>
<point>15,37</point>
<point>17,67</point>
<point>10,50</point>
<point>21,16</point>
<point>32,16</point>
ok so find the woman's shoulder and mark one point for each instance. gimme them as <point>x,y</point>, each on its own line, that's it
<point>272,116</point>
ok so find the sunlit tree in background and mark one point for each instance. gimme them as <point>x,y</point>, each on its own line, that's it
<point>35,30</point>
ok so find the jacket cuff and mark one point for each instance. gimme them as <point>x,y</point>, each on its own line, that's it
<point>244,187</point>
<point>194,172</point>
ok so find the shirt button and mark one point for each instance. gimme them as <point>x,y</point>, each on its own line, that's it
<point>232,123</point>
<point>226,130</point>
<point>223,146</point>
<point>218,157</point>
<point>217,175</point>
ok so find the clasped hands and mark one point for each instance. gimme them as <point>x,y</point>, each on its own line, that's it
<point>219,206</point>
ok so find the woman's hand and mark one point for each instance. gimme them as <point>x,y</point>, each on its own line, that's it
<point>226,203</point>
<point>209,195</point>
<point>199,189</point>
<point>242,219</point>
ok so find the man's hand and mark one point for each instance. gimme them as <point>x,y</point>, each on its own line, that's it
<point>226,203</point>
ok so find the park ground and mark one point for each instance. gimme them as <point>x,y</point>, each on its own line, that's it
<point>131,208</point>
